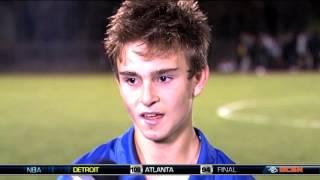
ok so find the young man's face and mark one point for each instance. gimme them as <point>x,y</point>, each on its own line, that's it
<point>156,92</point>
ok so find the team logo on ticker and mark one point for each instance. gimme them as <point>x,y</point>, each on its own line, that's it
<point>206,169</point>
<point>272,169</point>
<point>136,169</point>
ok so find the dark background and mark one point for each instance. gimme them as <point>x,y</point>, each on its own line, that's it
<point>66,36</point>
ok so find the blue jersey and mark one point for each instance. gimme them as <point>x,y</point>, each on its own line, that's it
<point>121,150</point>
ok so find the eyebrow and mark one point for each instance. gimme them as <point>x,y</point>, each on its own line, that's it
<point>128,73</point>
<point>161,71</point>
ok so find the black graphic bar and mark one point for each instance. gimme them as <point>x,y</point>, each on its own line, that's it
<point>138,169</point>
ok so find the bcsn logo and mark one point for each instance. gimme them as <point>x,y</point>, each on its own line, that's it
<point>291,169</point>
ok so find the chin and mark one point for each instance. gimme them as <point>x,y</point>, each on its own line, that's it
<point>154,136</point>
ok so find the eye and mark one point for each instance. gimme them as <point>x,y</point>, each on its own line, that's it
<point>131,81</point>
<point>165,79</point>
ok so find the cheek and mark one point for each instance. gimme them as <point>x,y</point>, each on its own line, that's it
<point>178,96</point>
<point>129,97</point>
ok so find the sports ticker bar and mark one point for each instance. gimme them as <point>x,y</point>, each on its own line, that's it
<point>137,169</point>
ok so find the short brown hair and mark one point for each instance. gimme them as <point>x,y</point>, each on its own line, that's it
<point>163,25</point>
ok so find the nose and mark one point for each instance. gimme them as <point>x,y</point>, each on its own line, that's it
<point>149,95</point>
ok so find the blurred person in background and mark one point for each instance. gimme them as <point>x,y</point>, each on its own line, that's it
<point>289,53</point>
<point>244,52</point>
<point>314,49</point>
<point>261,56</point>
<point>302,50</point>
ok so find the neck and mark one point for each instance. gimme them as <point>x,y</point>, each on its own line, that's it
<point>183,149</point>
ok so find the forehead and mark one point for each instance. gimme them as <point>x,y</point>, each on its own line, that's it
<point>138,55</point>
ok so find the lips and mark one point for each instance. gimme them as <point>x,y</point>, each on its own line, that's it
<point>152,118</point>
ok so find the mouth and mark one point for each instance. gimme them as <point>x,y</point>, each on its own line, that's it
<point>152,118</point>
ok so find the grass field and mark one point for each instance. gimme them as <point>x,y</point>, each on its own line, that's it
<point>52,119</point>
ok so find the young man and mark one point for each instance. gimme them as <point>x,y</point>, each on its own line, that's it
<point>158,50</point>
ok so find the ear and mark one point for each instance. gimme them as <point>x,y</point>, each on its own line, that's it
<point>200,80</point>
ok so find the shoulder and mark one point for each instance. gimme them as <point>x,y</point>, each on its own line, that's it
<point>99,153</point>
<point>111,152</point>
<point>217,156</point>
<point>114,150</point>
<point>221,157</point>
<point>209,154</point>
